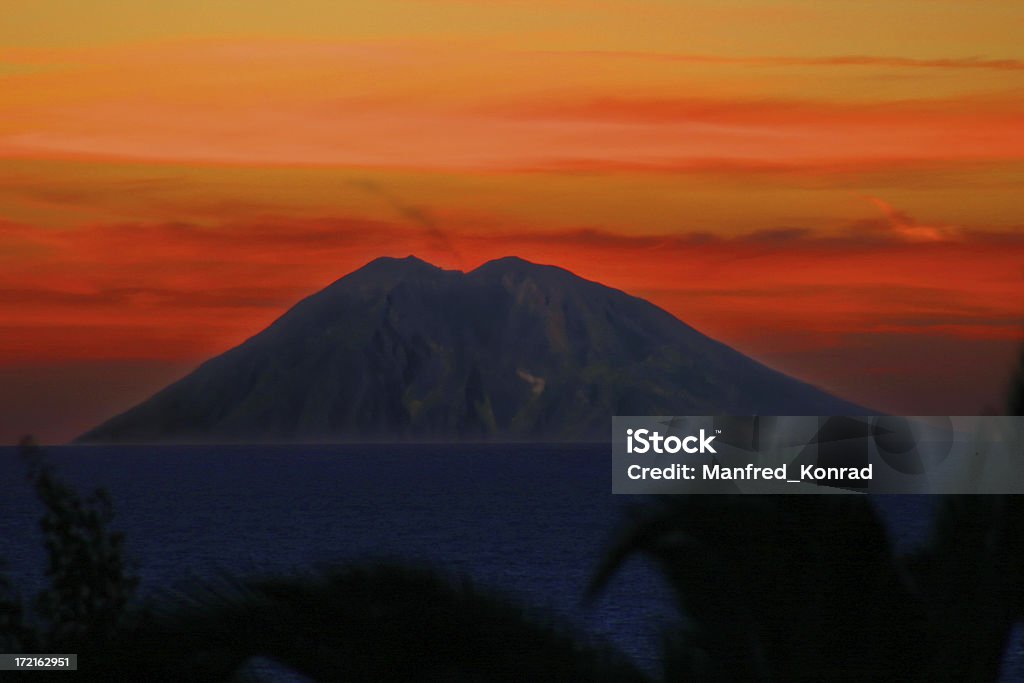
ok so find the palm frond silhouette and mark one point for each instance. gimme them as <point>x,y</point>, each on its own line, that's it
<point>777,588</point>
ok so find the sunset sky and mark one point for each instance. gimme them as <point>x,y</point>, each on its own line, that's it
<point>836,189</point>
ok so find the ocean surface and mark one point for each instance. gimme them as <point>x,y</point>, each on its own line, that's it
<point>530,521</point>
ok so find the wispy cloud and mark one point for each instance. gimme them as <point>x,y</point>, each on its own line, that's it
<point>904,225</point>
<point>822,61</point>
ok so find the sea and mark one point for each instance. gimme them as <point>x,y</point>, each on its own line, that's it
<point>529,522</point>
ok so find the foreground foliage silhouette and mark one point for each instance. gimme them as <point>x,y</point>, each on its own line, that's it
<point>780,588</point>
<point>89,589</point>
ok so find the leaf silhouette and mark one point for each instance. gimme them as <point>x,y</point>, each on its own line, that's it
<point>778,588</point>
<point>376,623</point>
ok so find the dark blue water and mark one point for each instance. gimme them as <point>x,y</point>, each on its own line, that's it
<point>530,521</point>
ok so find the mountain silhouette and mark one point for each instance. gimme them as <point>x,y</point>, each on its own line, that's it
<point>401,349</point>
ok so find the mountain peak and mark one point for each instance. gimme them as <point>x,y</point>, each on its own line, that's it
<point>393,262</point>
<point>387,271</point>
<point>509,262</point>
<point>519,268</point>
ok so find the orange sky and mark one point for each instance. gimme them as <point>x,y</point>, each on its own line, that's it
<point>834,188</point>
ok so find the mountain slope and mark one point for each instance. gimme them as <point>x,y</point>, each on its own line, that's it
<point>401,349</point>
